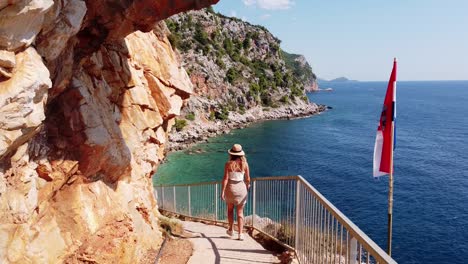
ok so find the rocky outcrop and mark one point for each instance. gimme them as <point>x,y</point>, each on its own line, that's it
<point>301,68</point>
<point>88,93</point>
<point>240,75</point>
<point>202,129</point>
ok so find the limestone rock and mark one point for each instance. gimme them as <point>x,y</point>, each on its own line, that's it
<point>22,101</point>
<point>21,22</point>
<point>7,59</point>
<point>61,23</point>
<point>82,132</point>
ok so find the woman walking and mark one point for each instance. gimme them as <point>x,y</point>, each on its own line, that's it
<point>236,182</point>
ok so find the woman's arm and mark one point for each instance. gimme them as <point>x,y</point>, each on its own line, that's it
<point>247,176</point>
<point>225,181</point>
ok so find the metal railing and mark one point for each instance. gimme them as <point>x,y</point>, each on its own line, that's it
<point>287,209</point>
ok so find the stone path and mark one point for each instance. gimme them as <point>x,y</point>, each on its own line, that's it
<point>211,244</point>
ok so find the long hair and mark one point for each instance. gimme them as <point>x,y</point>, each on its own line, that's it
<point>234,164</point>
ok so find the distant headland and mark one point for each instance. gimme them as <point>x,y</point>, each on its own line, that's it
<point>339,79</point>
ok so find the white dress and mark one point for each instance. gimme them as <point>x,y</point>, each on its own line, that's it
<point>236,190</point>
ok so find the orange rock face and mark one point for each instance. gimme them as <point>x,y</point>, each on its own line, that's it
<point>84,117</point>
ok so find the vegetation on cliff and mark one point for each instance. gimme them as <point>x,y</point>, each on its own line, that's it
<point>299,66</point>
<point>235,65</point>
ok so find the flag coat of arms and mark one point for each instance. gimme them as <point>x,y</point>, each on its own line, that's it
<point>385,139</point>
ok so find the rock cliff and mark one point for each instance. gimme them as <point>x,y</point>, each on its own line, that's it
<point>88,93</point>
<point>240,74</point>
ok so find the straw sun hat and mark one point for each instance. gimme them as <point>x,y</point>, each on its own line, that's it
<point>236,150</point>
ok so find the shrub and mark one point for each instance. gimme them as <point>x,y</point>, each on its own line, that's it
<point>295,91</point>
<point>223,114</point>
<point>212,116</point>
<point>232,105</point>
<point>189,20</point>
<point>258,67</point>
<point>190,116</point>
<point>274,47</point>
<point>220,63</point>
<point>215,35</point>
<point>266,99</point>
<point>245,61</point>
<point>180,124</point>
<point>172,26</point>
<point>287,79</point>
<point>228,46</point>
<point>284,99</point>
<point>286,232</point>
<point>255,35</point>
<point>246,42</point>
<point>254,89</point>
<point>263,83</point>
<point>278,78</point>
<point>200,35</point>
<point>205,49</point>
<point>210,10</point>
<point>185,45</point>
<point>232,74</point>
<point>242,109</point>
<point>174,39</point>
<point>238,45</point>
<point>235,56</point>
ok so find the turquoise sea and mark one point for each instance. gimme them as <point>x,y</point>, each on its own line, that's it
<point>333,151</point>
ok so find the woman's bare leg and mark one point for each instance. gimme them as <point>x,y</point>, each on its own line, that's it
<point>230,214</point>
<point>240,218</point>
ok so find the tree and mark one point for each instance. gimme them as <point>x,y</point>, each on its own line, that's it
<point>200,35</point>
<point>228,46</point>
<point>278,78</point>
<point>246,43</point>
<point>254,88</point>
<point>174,39</point>
<point>180,124</point>
<point>232,74</point>
<point>263,83</point>
<point>210,10</point>
<point>190,116</point>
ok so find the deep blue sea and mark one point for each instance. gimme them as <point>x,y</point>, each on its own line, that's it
<point>334,150</point>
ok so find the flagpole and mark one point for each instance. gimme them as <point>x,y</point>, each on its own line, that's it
<point>390,213</point>
<point>390,182</point>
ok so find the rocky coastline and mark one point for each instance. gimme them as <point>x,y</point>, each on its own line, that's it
<point>89,91</point>
<point>202,129</point>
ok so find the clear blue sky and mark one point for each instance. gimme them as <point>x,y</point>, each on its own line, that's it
<point>359,38</point>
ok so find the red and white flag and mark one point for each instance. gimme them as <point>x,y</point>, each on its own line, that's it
<point>385,140</point>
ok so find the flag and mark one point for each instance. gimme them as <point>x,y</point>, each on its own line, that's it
<point>384,141</point>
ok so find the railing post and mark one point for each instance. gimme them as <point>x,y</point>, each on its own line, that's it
<point>298,204</point>
<point>162,197</point>
<point>189,205</point>
<point>216,202</point>
<point>175,207</point>
<point>254,202</point>
<point>353,251</point>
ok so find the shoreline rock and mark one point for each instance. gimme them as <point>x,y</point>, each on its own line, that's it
<point>200,130</point>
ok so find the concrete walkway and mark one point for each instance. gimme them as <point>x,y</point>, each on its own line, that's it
<point>211,244</point>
